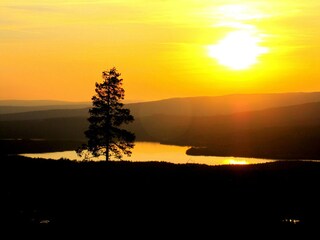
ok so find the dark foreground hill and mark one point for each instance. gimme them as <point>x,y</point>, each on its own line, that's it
<point>156,199</point>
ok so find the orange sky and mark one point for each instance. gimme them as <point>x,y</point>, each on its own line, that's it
<point>53,49</point>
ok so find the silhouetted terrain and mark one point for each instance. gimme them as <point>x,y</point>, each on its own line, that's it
<point>50,129</point>
<point>40,103</point>
<point>19,106</point>
<point>158,197</point>
<point>220,105</point>
<point>37,146</point>
<point>45,114</point>
<point>287,132</point>
<point>284,133</point>
<point>155,198</point>
<point>192,106</point>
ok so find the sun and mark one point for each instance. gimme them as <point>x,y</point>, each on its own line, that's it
<point>238,50</point>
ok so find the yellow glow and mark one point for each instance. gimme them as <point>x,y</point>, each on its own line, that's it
<point>238,50</point>
<point>56,49</point>
<point>235,162</point>
<point>240,12</point>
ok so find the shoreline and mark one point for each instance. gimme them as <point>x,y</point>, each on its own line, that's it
<point>207,151</point>
<point>23,146</point>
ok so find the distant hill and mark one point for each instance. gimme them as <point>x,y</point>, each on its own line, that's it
<point>185,130</point>
<point>21,106</point>
<point>46,114</point>
<point>39,103</point>
<point>281,132</point>
<point>67,128</point>
<point>193,106</point>
<point>198,130</point>
<point>4,110</point>
<point>218,105</point>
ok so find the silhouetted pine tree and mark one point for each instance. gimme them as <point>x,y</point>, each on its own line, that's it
<point>107,115</point>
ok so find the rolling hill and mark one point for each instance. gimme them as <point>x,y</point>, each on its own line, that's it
<point>45,114</point>
<point>199,131</point>
<point>221,105</point>
<point>286,130</point>
<point>186,107</point>
<point>22,106</point>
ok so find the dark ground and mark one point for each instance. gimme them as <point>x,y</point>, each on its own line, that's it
<point>157,197</point>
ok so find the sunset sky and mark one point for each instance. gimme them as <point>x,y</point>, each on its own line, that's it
<point>54,49</point>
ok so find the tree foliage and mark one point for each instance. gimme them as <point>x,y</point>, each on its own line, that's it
<point>106,135</point>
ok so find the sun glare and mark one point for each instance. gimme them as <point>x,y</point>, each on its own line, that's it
<point>238,50</point>
<point>240,12</point>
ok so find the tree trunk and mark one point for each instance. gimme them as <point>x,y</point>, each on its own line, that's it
<point>108,123</point>
<point>107,153</point>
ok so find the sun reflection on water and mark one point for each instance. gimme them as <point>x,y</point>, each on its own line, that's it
<point>232,161</point>
<point>147,151</point>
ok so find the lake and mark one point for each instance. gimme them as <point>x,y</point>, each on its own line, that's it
<point>150,151</point>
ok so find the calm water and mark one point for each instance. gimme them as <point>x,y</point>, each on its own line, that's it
<point>147,151</point>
